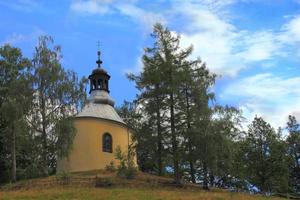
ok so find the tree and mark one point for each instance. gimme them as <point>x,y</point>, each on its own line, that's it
<point>224,130</point>
<point>153,99</point>
<point>144,140</point>
<point>15,100</point>
<point>58,95</point>
<point>194,111</point>
<point>293,142</point>
<point>159,87</point>
<point>264,157</point>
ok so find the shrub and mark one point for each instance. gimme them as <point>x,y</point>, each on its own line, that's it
<point>63,178</point>
<point>110,167</point>
<point>127,168</point>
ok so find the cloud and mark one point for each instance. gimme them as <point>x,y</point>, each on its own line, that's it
<point>213,39</point>
<point>291,31</point>
<point>260,46</point>
<point>266,95</point>
<point>21,5</point>
<point>127,8</point>
<point>91,7</point>
<point>225,48</point>
<point>148,19</point>
<point>16,38</point>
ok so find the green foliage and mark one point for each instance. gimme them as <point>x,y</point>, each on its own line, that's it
<point>126,168</point>
<point>178,126</point>
<point>64,131</point>
<point>15,103</point>
<point>38,99</point>
<point>293,142</point>
<point>264,157</point>
<point>58,95</point>
<point>110,167</point>
<point>144,141</point>
<point>63,178</point>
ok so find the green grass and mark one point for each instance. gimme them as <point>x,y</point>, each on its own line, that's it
<point>143,187</point>
<point>123,194</point>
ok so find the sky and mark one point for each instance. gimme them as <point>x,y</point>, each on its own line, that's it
<point>252,45</point>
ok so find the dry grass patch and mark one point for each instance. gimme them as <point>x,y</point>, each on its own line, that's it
<point>68,192</point>
<point>143,187</point>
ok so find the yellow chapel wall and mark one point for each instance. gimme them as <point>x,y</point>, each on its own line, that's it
<point>86,153</point>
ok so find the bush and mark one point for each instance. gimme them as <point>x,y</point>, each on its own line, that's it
<point>103,182</point>
<point>63,178</point>
<point>128,173</point>
<point>110,167</point>
<point>127,168</point>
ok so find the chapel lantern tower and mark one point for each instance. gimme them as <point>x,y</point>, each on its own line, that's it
<point>99,78</point>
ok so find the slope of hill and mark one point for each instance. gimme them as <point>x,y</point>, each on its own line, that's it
<point>105,185</point>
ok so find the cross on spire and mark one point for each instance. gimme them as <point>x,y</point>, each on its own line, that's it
<point>99,62</point>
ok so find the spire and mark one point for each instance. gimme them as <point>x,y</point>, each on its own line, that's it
<point>99,61</point>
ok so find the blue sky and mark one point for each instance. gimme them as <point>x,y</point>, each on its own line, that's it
<point>253,45</point>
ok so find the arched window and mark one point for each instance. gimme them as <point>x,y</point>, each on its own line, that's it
<point>107,143</point>
<point>100,83</point>
<point>94,84</point>
<point>106,85</point>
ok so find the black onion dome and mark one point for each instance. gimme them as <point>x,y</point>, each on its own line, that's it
<point>99,71</point>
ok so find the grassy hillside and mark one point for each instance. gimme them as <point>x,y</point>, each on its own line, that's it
<point>143,187</point>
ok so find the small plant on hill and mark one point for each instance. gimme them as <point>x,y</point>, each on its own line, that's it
<point>110,167</point>
<point>127,168</point>
<point>63,178</point>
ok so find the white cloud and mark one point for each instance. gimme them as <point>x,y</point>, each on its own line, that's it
<point>226,49</point>
<point>91,7</point>
<point>124,7</point>
<point>14,38</point>
<point>146,18</point>
<point>291,31</point>
<point>20,5</point>
<point>266,95</point>
<point>259,46</point>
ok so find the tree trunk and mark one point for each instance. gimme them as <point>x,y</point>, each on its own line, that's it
<point>212,179</point>
<point>191,160</point>
<point>192,171</point>
<point>44,136</point>
<point>13,155</point>
<point>174,141</point>
<point>159,144</point>
<point>159,136</point>
<point>205,177</point>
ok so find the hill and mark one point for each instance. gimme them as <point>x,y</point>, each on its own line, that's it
<point>105,185</point>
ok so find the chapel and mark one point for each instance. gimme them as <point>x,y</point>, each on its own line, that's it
<point>99,128</point>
